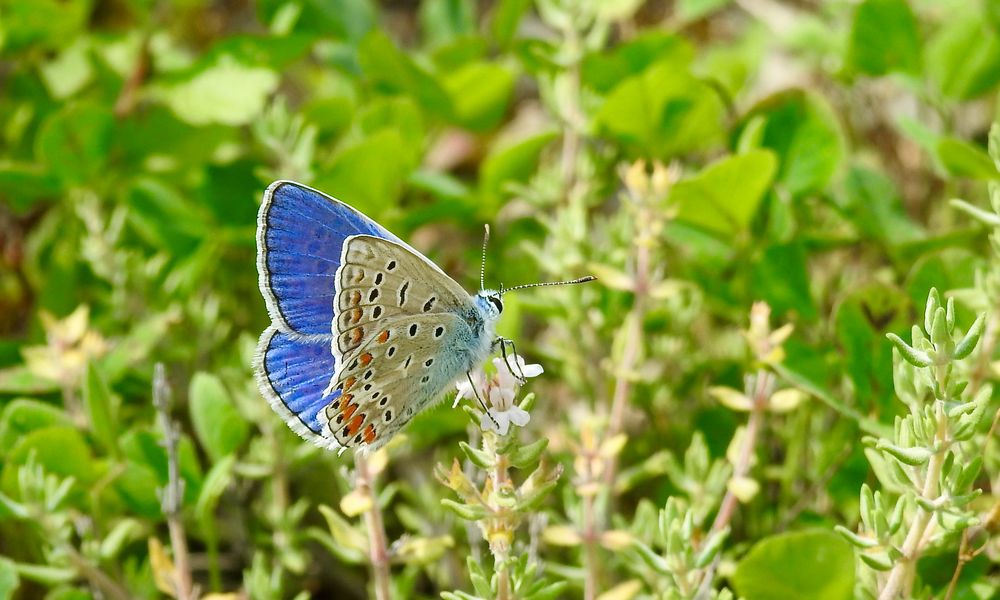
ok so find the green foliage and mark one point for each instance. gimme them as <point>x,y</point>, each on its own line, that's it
<point>812,563</point>
<point>766,191</point>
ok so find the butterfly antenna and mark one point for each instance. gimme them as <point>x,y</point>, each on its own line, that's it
<point>482,263</point>
<point>545,283</point>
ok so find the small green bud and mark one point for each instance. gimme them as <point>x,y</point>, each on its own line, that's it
<point>971,338</point>
<point>933,302</point>
<point>940,336</point>
<point>967,477</point>
<point>855,539</point>
<point>525,456</point>
<point>481,459</point>
<point>469,512</point>
<point>917,358</point>
<point>910,456</point>
<point>879,561</point>
<point>949,314</point>
<point>711,548</point>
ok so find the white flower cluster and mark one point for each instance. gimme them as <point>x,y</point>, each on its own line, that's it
<point>499,392</point>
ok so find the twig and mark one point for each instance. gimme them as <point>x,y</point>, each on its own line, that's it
<point>172,496</point>
<point>763,383</point>
<point>378,550</point>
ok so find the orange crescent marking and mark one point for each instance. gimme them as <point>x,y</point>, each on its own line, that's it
<point>370,434</point>
<point>356,334</point>
<point>383,337</point>
<point>348,383</point>
<point>355,425</point>
<point>349,410</point>
<point>366,358</point>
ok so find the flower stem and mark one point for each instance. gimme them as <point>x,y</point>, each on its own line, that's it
<point>762,387</point>
<point>172,496</point>
<point>377,544</point>
<point>900,578</point>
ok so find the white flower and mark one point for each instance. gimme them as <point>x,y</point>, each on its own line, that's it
<point>499,392</point>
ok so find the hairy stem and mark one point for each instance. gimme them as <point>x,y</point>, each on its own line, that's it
<point>762,391</point>
<point>378,546</point>
<point>900,578</point>
<point>172,496</point>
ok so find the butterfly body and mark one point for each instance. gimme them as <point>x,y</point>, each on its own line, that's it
<point>366,332</point>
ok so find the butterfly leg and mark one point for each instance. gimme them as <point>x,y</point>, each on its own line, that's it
<point>519,373</point>
<point>475,390</point>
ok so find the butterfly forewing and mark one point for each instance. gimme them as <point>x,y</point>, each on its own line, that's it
<point>379,280</point>
<point>395,315</point>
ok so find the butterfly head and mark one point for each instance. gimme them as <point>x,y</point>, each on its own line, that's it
<point>490,302</point>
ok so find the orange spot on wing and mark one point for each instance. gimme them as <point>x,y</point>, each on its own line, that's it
<point>350,410</point>
<point>370,434</point>
<point>383,337</point>
<point>355,425</point>
<point>356,315</point>
<point>348,383</point>
<point>356,334</point>
<point>355,298</point>
<point>366,358</point>
<point>359,276</point>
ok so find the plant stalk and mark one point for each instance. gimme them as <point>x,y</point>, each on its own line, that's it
<point>173,495</point>
<point>377,544</point>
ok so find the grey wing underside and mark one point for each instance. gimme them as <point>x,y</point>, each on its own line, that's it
<point>394,312</point>
<point>393,376</point>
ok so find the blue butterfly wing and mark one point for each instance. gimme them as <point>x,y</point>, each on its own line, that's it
<point>292,375</point>
<point>300,237</point>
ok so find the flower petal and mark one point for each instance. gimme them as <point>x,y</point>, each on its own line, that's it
<point>533,370</point>
<point>502,424</point>
<point>518,416</point>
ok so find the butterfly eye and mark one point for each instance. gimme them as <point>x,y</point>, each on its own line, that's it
<point>496,302</point>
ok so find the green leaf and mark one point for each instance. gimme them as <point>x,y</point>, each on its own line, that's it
<point>9,580</point>
<point>662,112</point>
<point>725,195</point>
<point>781,277</point>
<point>603,71</point>
<point>873,204</point>
<point>219,477</point>
<point>60,450</point>
<point>963,56</point>
<point>860,319</point>
<point>344,19</point>
<point>220,427</point>
<point>44,24</point>
<point>963,159</point>
<point>227,92</point>
<point>75,142</point>
<point>24,415</point>
<point>803,131</point>
<point>480,94</point>
<point>814,564</point>
<point>506,17</point>
<point>884,38</point>
<point>508,164</point>
<point>444,20</point>
<point>101,408</point>
<point>369,174</point>
<point>392,71</point>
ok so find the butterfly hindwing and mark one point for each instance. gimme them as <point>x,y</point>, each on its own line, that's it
<point>394,375</point>
<point>300,238</point>
<point>293,374</point>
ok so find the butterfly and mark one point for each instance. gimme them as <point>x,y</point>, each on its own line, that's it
<point>365,331</point>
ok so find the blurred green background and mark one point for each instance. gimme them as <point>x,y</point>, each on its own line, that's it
<point>696,155</point>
